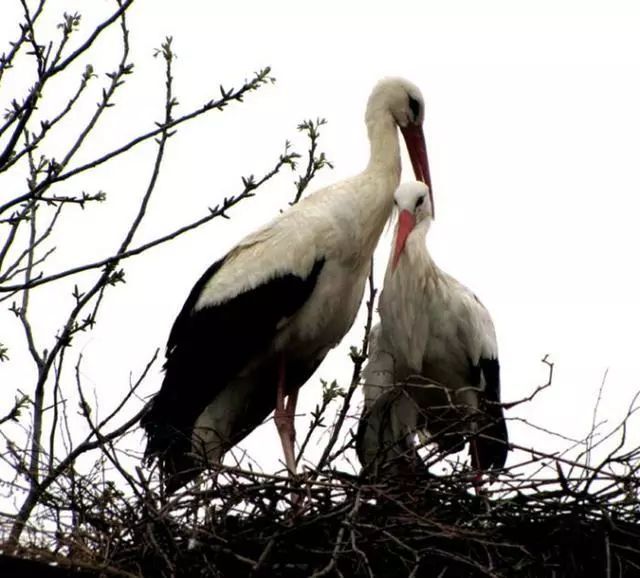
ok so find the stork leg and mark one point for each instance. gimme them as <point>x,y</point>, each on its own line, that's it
<point>283,417</point>
<point>475,463</point>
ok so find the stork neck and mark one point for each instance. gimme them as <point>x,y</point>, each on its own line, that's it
<point>374,201</point>
<point>385,145</point>
<point>371,211</point>
<point>415,253</point>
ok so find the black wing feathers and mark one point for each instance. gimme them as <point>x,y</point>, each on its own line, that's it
<point>493,440</point>
<point>208,347</point>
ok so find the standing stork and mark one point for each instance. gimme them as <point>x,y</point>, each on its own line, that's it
<point>435,335</point>
<point>260,320</point>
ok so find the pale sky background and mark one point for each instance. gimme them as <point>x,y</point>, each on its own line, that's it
<point>533,134</point>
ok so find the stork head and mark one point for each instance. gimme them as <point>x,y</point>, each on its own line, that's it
<point>415,206</point>
<point>404,101</point>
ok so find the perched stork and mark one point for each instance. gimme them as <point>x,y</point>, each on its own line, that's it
<point>260,320</point>
<point>435,335</point>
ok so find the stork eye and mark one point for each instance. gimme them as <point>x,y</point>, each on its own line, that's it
<point>419,201</point>
<point>414,105</point>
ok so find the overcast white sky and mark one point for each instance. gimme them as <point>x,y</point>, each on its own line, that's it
<point>533,134</point>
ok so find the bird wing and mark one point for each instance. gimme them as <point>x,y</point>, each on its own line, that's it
<point>477,332</point>
<point>493,438</point>
<point>212,340</point>
<point>475,329</point>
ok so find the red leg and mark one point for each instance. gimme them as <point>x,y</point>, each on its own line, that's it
<point>283,418</point>
<point>475,464</point>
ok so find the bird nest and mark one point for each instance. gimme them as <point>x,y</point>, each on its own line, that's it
<point>570,519</point>
<point>573,511</point>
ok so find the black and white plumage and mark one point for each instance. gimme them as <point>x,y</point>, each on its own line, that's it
<point>435,335</point>
<point>261,319</point>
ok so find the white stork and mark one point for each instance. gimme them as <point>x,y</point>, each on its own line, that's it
<point>434,329</point>
<point>260,320</point>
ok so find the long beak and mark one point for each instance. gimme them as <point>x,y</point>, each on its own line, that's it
<point>406,223</point>
<point>414,139</point>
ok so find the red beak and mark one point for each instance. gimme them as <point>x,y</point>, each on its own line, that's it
<point>406,223</point>
<point>414,139</point>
